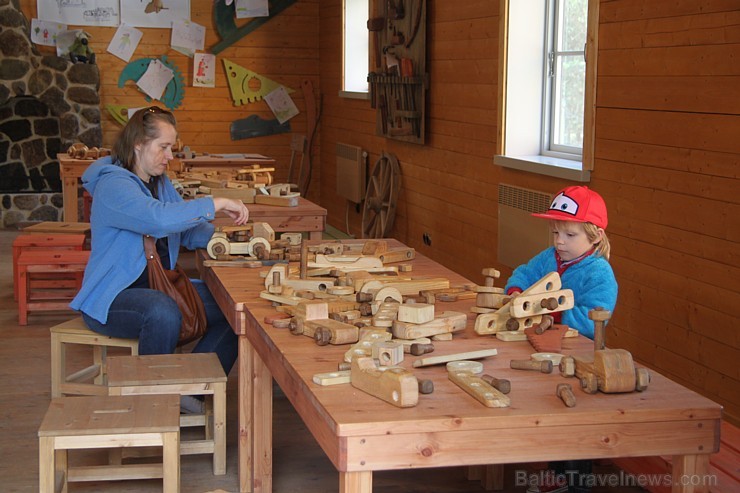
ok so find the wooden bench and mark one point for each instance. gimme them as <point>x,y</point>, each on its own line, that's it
<point>53,262</point>
<point>109,422</point>
<point>198,374</point>
<point>93,379</point>
<point>32,242</point>
<point>724,466</point>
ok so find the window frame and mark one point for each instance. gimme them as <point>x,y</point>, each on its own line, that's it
<point>353,93</point>
<point>540,163</point>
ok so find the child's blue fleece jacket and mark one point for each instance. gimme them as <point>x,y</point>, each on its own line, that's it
<point>591,280</point>
<point>123,210</point>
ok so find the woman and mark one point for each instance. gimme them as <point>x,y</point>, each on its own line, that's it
<point>132,197</point>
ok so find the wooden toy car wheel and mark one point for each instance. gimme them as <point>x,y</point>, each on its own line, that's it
<point>381,197</point>
<point>218,245</point>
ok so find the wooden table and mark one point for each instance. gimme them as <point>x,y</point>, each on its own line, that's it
<point>361,434</point>
<point>70,170</point>
<point>306,217</point>
<point>212,161</point>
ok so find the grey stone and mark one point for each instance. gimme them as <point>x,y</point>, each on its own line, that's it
<point>26,202</point>
<point>91,115</point>
<point>83,95</point>
<point>44,213</point>
<point>69,127</point>
<point>4,94</point>
<point>43,199</point>
<point>56,62</point>
<point>46,127</point>
<point>29,106</point>
<point>84,73</point>
<point>12,69</point>
<point>57,200</point>
<point>54,99</point>
<point>19,88</point>
<point>13,43</point>
<point>16,129</point>
<point>34,152</point>
<point>92,137</point>
<point>61,81</point>
<point>39,81</point>
<point>12,218</point>
<point>10,17</point>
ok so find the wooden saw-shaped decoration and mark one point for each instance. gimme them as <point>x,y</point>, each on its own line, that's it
<point>174,91</point>
<point>224,13</point>
<point>247,86</point>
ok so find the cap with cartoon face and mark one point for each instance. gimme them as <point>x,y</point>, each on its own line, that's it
<point>579,204</point>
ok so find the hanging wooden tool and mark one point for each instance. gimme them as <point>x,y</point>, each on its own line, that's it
<point>381,197</point>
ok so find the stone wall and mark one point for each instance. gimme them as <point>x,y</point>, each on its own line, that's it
<point>69,94</point>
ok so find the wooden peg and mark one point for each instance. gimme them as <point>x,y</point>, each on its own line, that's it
<point>565,392</point>
<point>599,316</point>
<point>426,386</point>
<point>419,349</point>
<point>500,384</point>
<point>531,365</point>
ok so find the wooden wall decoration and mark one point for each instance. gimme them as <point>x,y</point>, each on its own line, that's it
<point>224,15</point>
<point>399,81</point>
<point>175,90</point>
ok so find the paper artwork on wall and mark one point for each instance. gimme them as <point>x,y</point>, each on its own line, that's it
<point>251,8</point>
<point>154,13</point>
<point>155,79</point>
<point>204,70</point>
<point>80,12</point>
<point>45,32</point>
<point>187,37</point>
<point>65,40</point>
<point>281,104</point>
<point>124,42</point>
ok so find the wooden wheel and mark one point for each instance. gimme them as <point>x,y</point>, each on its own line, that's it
<point>381,197</point>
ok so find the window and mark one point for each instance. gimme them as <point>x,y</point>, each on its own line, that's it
<point>355,56</point>
<point>546,87</point>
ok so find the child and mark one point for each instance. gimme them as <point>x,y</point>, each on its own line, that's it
<point>580,254</point>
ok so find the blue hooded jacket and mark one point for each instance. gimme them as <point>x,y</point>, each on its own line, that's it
<point>591,280</point>
<point>123,210</point>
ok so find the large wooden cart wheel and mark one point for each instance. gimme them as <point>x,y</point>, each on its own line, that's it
<point>381,197</point>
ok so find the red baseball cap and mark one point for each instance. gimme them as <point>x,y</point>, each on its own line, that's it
<point>579,204</point>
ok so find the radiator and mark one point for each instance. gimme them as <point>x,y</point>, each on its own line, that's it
<point>521,236</point>
<point>351,172</point>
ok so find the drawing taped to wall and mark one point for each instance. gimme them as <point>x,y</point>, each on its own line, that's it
<point>154,13</point>
<point>80,12</point>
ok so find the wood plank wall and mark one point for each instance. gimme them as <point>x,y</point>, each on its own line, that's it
<point>666,156</point>
<point>666,161</point>
<point>285,49</point>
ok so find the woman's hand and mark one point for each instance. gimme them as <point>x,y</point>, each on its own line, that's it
<point>235,209</point>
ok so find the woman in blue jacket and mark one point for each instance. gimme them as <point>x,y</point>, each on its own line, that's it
<point>132,197</point>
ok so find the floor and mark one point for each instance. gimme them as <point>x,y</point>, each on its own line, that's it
<point>299,465</point>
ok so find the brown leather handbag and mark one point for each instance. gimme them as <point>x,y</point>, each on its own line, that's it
<point>176,284</point>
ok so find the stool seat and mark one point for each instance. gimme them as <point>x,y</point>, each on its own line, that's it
<point>57,227</point>
<point>183,374</point>
<point>75,331</point>
<point>27,242</point>
<point>47,261</point>
<point>109,422</point>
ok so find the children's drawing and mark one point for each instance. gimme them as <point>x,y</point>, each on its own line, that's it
<point>281,104</point>
<point>124,42</point>
<point>251,8</point>
<point>155,79</point>
<point>204,70</point>
<point>188,35</point>
<point>80,12</point>
<point>45,32</point>
<point>154,13</point>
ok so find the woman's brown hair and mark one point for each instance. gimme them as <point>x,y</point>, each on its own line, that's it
<point>142,127</point>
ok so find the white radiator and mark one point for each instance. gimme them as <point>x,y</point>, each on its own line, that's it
<point>351,172</point>
<point>521,236</point>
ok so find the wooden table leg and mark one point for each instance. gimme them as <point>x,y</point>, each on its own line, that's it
<point>69,199</point>
<point>691,474</point>
<point>245,414</point>
<point>261,426</point>
<point>356,482</point>
<point>219,428</point>
<point>171,462</point>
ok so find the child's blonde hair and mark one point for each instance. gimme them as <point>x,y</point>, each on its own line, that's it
<point>602,248</point>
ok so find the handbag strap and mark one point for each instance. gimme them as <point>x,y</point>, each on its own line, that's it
<point>150,249</point>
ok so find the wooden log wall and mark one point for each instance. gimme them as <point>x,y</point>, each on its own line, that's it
<point>666,161</point>
<point>285,49</point>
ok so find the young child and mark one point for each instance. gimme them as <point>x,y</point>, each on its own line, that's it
<point>580,254</point>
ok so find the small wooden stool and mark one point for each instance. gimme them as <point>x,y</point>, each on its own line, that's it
<point>47,261</point>
<point>107,422</point>
<point>29,242</point>
<point>76,332</point>
<point>182,374</point>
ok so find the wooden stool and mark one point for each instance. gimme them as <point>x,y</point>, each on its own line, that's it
<point>47,261</point>
<point>57,227</point>
<point>28,242</point>
<point>76,332</point>
<point>105,422</point>
<point>182,374</point>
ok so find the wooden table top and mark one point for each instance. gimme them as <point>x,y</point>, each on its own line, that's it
<point>360,432</point>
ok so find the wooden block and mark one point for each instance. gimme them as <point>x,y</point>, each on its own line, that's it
<point>510,336</point>
<point>445,322</point>
<point>374,247</point>
<point>395,385</point>
<point>312,310</point>
<point>364,347</point>
<point>408,342</point>
<point>385,314</point>
<point>246,195</point>
<point>491,300</point>
<point>388,353</point>
<point>479,389</point>
<point>346,262</point>
<point>446,358</point>
<point>407,287</point>
<point>333,378</point>
<point>330,331</point>
<point>415,313</point>
<point>397,255</point>
<point>528,305</point>
<point>278,201</point>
